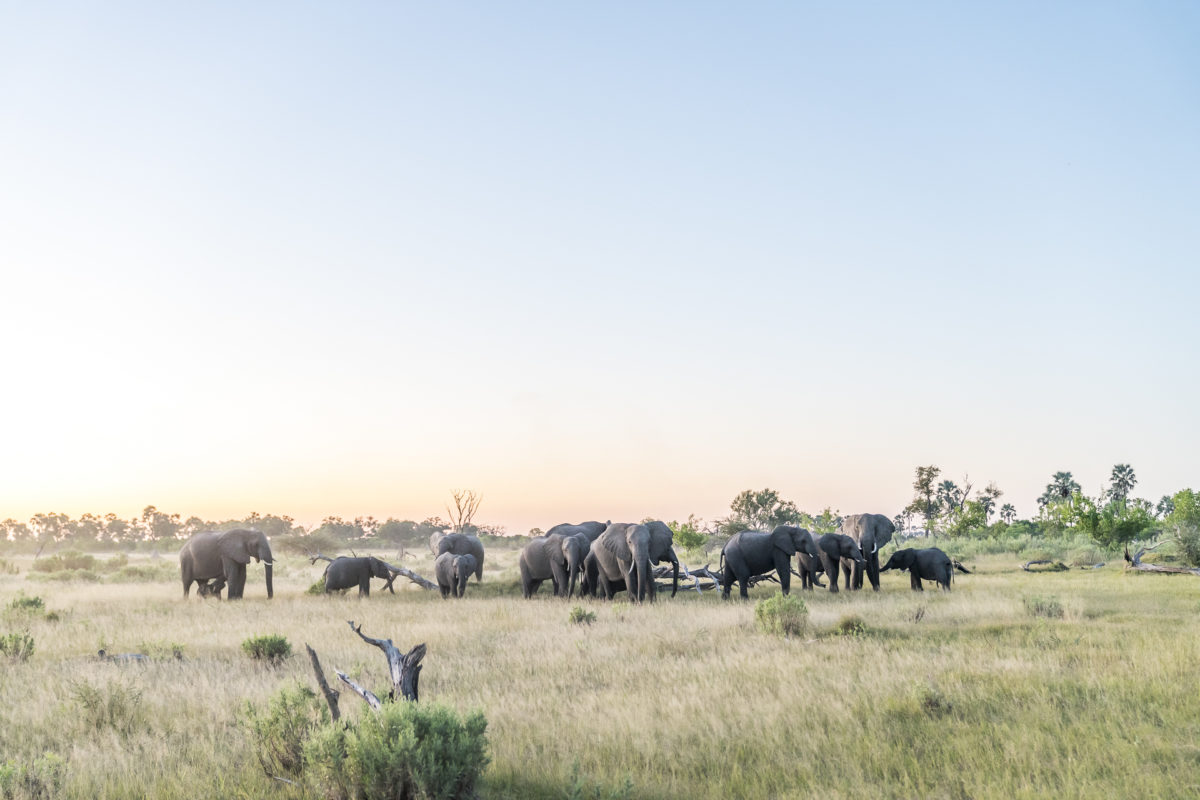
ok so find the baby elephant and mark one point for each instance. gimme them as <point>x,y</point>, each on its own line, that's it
<point>346,573</point>
<point>931,564</point>
<point>452,572</point>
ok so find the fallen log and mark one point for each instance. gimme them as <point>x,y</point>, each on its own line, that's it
<point>408,573</point>
<point>1135,562</point>
<point>1056,566</point>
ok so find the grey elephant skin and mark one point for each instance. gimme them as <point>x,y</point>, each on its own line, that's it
<point>463,544</point>
<point>224,554</point>
<point>555,557</point>
<point>345,572</point>
<point>591,529</point>
<point>930,564</point>
<point>452,571</point>
<point>751,553</point>
<point>621,558</point>
<point>837,550</point>
<point>870,532</point>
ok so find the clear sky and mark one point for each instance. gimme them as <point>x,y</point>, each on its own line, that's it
<point>604,260</point>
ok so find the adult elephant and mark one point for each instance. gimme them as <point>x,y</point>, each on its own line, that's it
<point>345,572</point>
<point>835,551</point>
<point>870,532</point>
<point>620,558</point>
<point>591,529</point>
<point>930,564</point>
<point>463,544</point>
<point>751,553</point>
<point>555,557</point>
<point>451,572</point>
<point>224,554</point>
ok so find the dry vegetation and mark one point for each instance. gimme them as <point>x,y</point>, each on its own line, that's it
<point>981,693</point>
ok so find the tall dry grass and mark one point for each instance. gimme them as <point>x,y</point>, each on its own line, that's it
<point>965,694</point>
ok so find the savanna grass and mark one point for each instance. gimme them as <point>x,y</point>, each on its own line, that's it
<point>960,694</point>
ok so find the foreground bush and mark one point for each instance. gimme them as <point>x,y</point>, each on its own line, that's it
<point>39,779</point>
<point>17,646</point>
<point>272,647</point>
<point>781,616</point>
<point>280,731</point>
<point>405,750</point>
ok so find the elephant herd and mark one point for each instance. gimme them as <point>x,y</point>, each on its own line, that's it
<point>595,559</point>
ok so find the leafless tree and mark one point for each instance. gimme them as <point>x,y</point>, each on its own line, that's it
<point>466,503</point>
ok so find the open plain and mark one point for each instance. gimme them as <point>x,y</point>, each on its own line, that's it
<point>1014,685</point>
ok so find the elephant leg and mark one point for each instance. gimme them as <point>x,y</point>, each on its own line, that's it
<point>726,583</point>
<point>873,570</point>
<point>559,573</point>
<point>526,581</point>
<point>783,568</point>
<point>364,586</point>
<point>916,581</point>
<point>831,571</point>
<point>848,575</point>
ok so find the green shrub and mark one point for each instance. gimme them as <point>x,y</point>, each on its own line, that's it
<point>851,625</point>
<point>1048,607</point>
<point>581,616</point>
<point>781,615</point>
<point>66,560</point>
<point>113,706</point>
<point>28,605</point>
<point>318,587</point>
<point>404,750</point>
<point>280,731</point>
<point>272,647</point>
<point>17,646</point>
<point>43,778</point>
<point>158,648</point>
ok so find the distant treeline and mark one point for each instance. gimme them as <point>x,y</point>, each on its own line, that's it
<point>157,527</point>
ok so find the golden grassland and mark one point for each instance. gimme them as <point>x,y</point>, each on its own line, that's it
<point>959,695</point>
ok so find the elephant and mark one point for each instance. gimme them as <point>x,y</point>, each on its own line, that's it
<point>620,558</point>
<point>554,556</point>
<point>452,571</point>
<point>835,550</point>
<point>224,555</point>
<point>344,572</point>
<point>751,553</point>
<point>461,544</point>
<point>930,563</point>
<point>591,530</point>
<point>210,589</point>
<point>871,532</point>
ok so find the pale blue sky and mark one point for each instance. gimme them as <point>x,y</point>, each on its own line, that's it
<point>606,260</point>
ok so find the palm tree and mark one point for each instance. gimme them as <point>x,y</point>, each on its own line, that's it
<point>1165,506</point>
<point>1008,513</point>
<point>1061,487</point>
<point>1123,481</point>
<point>949,495</point>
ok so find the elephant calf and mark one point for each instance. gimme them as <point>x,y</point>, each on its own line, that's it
<point>930,563</point>
<point>452,571</point>
<point>837,550</point>
<point>345,573</point>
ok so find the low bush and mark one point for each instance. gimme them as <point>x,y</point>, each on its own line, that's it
<point>27,605</point>
<point>16,646</point>
<point>404,750</point>
<point>279,731</point>
<point>1049,607</point>
<point>37,780</point>
<point>781,615</point>
<point>114,707</point>
<point>581,616</point>
<point>851,625</point>
<point>272,647</point>
<point>318,587</point>
<point>62,576</point>
<point>66,560</point>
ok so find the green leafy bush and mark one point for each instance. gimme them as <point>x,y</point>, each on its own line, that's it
<point>37,780</point>
<point>781,615</point>
<point>1049,607</point>
<point>17,646</point>
<point>851,625</point>
<point>28,605</point>
<point>405,750</point>
<point>318,587</point>
<point>68,559</point>
<point>113,707</point>
<point>281,729</point>
<point>272,647</point>
<point>581,616</point>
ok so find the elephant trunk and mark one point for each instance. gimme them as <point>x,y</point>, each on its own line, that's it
<point>463,575</point>
<point>270,586</point>
<point>674,572</point>
<point>644,589</point>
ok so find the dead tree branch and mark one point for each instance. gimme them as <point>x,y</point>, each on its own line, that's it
<point>405,668</point>
<point>1057,566</point>
<point>313,558</point>
<point>1135,562</point>
<point>331,694</point>
<point>408,573</point>
<point>366,694</point>
<point>466,503</point>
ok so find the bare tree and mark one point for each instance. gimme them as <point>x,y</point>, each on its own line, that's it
<point>466,503</point>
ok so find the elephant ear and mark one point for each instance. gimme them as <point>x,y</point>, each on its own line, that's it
<point>235,545</point>
<point>661,537</point>
<point>782,539</point>
<point>613,540</point>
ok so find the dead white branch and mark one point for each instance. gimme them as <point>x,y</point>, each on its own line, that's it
<point>405,668</point>
<point>1135,562</point>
